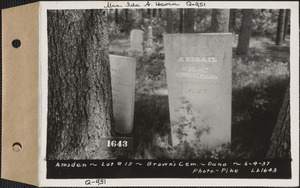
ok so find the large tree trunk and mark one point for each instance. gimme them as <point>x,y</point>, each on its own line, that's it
<point>169,21</point>
<point>232,18</point>
<point>280,27</point>
<point>189,20</point>
<point>245,32</point>
<point>181,20</point>
<point>280,145</point>
<point>79,84</point>
<point>219,20</point>
<point>286,23</point>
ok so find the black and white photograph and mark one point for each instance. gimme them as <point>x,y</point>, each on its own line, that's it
<point>179,83</point>
<point>207,84</point>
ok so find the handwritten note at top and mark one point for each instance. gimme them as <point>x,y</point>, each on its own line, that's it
<point>148,4</point>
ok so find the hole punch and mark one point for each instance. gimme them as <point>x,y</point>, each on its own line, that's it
<point>17,146</point>
<point>16,43</point>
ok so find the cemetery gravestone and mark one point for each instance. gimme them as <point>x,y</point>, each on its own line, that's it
<point>199,87</point>
<point>150,37</point>
<point>136,41</point>
<point>123,88</point>
<point>149,46</point>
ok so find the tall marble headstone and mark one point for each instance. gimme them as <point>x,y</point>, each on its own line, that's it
<point>199,87</point>
<point>123,88</point>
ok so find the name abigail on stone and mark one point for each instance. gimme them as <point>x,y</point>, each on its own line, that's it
<point>198,59</point>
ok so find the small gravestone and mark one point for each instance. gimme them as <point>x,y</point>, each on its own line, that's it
<point>199,87</point>
<point>149,46</point>
<point>123,88</point>
<point>150,37</point>
<point>136,42</point>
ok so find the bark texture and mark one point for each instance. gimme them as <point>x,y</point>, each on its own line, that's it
<point>280,145</point>
<point>245,32</point>
<point>280,27</point>
<point>79,84</point>
<point>219,20</point>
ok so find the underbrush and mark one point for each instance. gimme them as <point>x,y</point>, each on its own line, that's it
<point>151,71</point>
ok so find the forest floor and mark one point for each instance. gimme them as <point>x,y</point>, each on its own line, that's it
<point>259,81</point>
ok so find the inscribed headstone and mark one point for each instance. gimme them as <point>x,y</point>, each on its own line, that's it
<point>123,88</point>
<point>199,86</point>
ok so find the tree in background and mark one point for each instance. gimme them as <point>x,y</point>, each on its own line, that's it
<point>219,20</point>
<point>149,13</point>
<point>116,16</point>
<point>181,20</point>
<point>245,32</point>
<point>189,20</point>
<point>280,144</point>
<point>169,19</point>
<point>232,17</point>
<point>286,23</point>
<point>154,13</point>
<point>280,27</point>
<point>79,84</point>
<point>126,15</point>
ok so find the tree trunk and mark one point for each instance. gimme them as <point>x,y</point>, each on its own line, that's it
<point>181,20</point>
<point>280,145</point>
<point>286,23</point>
<point>245,32</point>
<point>232,18</point>
<point>116,16</point>
<point>149,13</point>
<point>219,20</point>
<point>189,20</point>
<point>79,84</point>
<point>169,21</point>
<point>126,15</point>
<point>160,13</point>
<point>280,27</point>
<point>154,13</point>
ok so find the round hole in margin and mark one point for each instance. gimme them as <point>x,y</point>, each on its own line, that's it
<point>17,146</point>
<point>16,43</point>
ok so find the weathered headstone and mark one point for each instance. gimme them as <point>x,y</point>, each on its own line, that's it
<point>150,37</point>
<point>149,46</point>
<point>136,41</point>
<point>123,88</point>
<point>199,87</point>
